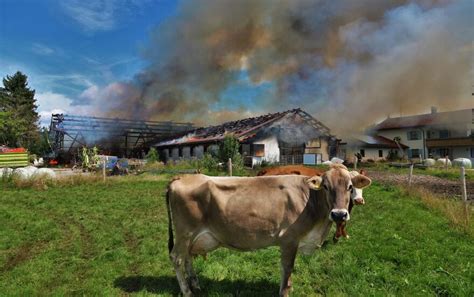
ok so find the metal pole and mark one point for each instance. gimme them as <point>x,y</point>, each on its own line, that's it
<point>229,167</point>
<point>411,175</point>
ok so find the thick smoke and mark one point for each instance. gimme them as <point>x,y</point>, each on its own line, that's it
<point>349,63</point>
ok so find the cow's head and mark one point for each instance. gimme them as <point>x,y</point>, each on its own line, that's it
<point>339,185</point>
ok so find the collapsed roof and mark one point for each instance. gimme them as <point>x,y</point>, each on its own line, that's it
<point>377,142</point>
<point>243,129</point>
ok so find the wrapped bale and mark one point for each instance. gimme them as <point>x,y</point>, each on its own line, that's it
<point>462,162</point>
<point>336,160</point>
<point>442,162</point>
<point>429,162</point>
<point>24,172</point>
<point>327,163</point>
<point>44,173</point>
<point>5,172</point>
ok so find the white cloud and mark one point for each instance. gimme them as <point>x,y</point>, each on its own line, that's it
<point>100,15</point>
<point>92,16</point>
<point>42,49</point>
<point>49,103</point>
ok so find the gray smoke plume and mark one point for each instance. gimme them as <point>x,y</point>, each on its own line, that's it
<point>349,63</point>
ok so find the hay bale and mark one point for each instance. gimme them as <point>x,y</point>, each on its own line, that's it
<point>45,173</point>
<point>429,162</point>
<point>327,163</point>
<point>5,172</point>
<point>24,173</point>
<point>460,162</point>
<point>336,160</point>
<point>442,162</point>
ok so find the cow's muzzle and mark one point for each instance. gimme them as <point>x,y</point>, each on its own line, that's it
<point>339,215</point>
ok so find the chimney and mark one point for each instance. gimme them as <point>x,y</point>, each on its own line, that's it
<point>434,109</point>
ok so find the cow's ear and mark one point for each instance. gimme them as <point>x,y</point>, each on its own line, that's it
<point>361,181</point>
<point>315,182</point>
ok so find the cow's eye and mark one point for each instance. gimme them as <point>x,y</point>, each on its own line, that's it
<point>350,188</point>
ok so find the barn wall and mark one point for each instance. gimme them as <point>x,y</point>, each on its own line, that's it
<point>272,151</point>
<point>323,149</point>
<point>186,151</point>
<point>198,151</point>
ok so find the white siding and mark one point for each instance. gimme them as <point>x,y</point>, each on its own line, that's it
<point>272,151</point>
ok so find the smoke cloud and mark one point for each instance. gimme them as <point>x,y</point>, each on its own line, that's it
<point>349,63</point>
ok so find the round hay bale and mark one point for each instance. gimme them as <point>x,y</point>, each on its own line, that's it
<point>442,162</point>
<point>24,173</point>
<point>44,173</point>
<point>429,162</point>
<point>459,162</point>
<point>5,172</point>
<point>336,160</point>
<point>327,163</point>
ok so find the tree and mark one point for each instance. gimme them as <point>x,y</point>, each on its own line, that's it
<point>18,115</point>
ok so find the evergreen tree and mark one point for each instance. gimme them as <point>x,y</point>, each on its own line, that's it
<point>18,115</point>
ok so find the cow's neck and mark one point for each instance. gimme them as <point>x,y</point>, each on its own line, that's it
<point>317,209</point>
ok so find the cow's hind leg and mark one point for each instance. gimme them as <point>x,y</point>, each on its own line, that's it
<point>192,277</point>
<point>178,257</point>
<point>288,254</point>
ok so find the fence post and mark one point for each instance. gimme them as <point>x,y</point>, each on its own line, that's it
<point>411,175</point>
<point>464,193</point>
<point>355,163</point>
<point>446,162</point>
<point>103,167</point>
<point>229,166</point>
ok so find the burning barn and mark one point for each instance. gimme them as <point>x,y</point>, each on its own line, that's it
<point>120,137</point>
<point>289,137</point>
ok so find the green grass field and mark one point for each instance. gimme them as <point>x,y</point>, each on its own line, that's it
<point>111,239</point>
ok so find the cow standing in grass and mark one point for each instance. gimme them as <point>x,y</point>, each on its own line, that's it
<point>236,212</point>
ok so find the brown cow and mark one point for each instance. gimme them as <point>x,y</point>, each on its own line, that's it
<point>356,195</point>
<point>235,212</point>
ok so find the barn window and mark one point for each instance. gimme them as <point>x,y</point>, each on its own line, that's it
<point>380,153</point>
<point>246,151</point>
<point>258,150</point>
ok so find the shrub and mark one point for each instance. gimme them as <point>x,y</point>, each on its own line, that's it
<point>152,155</point>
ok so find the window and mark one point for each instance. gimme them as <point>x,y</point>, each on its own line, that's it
<point>414,135</point>
<point>443,152</point>
<point>414,153</point>
<point>443,134</point>
<point>258,150</point>
<point>362,153</point>
<point>380,153</point>
<point>472,152</point>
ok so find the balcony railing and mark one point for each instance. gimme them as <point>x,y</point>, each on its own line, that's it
<point>453,141</point>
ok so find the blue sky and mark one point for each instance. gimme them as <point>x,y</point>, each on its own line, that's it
<point>70,47</point>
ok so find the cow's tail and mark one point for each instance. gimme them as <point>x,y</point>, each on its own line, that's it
<point>170,222</point>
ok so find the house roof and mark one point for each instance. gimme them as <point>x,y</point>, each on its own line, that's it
<point>431,119</point>
<point>242,129</point>
<point>378,141</point>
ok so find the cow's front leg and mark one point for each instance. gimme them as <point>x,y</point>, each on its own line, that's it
<point>288,254</point>
<point>192,277</point>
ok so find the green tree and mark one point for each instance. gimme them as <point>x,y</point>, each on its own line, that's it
<point>229,148</point>
<point>18,115</point>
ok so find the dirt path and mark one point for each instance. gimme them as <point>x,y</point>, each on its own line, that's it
<point>439,186</point>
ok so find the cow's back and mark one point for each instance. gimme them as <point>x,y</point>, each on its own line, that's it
<point>290,169</point>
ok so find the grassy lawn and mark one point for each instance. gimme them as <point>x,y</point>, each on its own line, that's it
<point>111,239</point>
